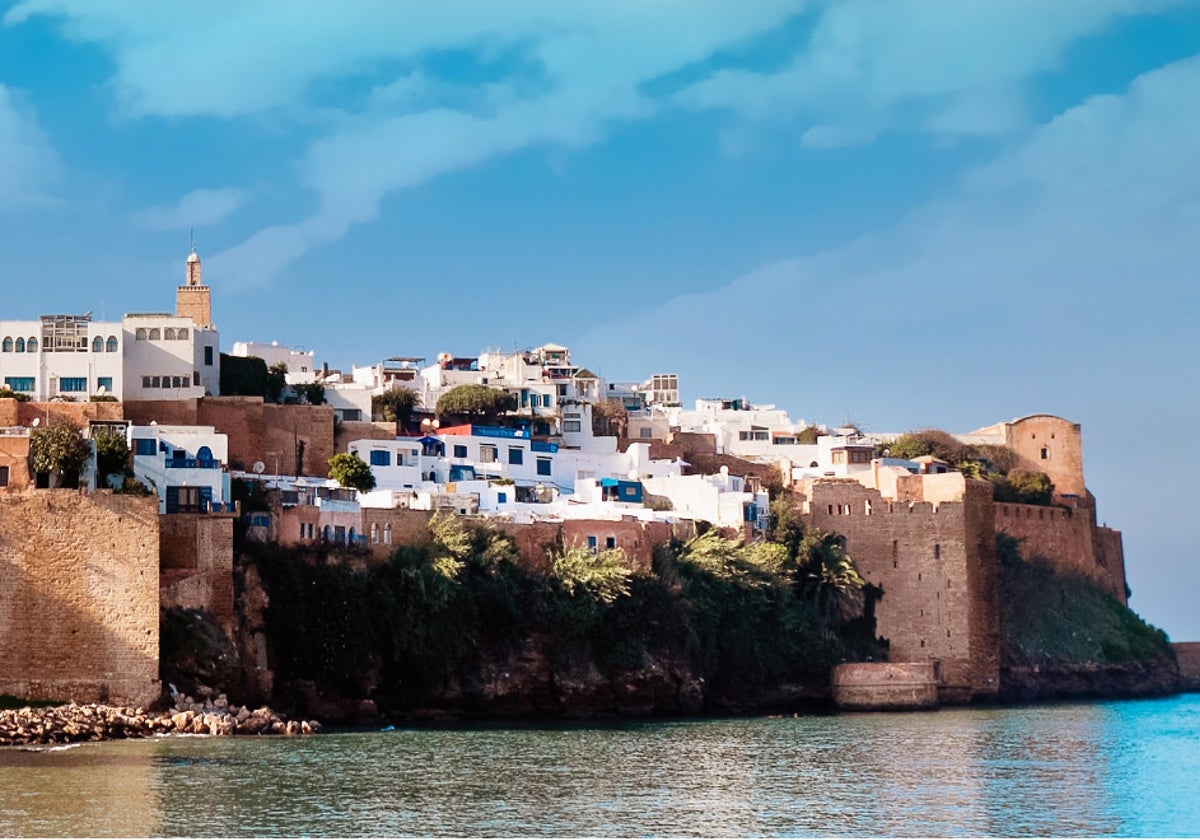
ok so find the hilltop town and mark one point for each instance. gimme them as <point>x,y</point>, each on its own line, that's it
<point>262,445</point>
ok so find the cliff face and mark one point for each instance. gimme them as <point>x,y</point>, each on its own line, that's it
<point>1149,678</point>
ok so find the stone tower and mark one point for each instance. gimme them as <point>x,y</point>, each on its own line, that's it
<point>194,300</point>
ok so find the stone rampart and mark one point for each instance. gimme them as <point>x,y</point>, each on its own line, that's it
<point>13,413</point>
<point>936,566</point>
<point>1068,540</point>
<point>1188,656</point>
<point>79,596</point>
<point>196,563</point>
<point>885,686</point>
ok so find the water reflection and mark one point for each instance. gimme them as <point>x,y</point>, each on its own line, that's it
<point>1077,770</point>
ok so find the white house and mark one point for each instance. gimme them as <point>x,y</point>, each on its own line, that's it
<point>299,362</point>
<point>169,357</point>
<point>184,465</point>
<point>62,356</point>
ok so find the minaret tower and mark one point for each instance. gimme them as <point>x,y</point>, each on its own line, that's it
<point>194,300</point>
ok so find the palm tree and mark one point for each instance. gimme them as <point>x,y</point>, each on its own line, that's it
<point>828,578</point>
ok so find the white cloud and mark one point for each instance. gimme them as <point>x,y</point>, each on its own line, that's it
<point>198,208</point>
<point>29,166</point>
<point>870,62</point>
<point>1092,221</point>
<point>565,75</point>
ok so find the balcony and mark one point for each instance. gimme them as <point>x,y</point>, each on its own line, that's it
<point>193,464</point>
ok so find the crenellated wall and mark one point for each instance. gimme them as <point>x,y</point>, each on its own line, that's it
<point>79,596</point>
<point>936,566</point>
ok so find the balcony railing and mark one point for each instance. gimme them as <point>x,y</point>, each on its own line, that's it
<point>193,464</point>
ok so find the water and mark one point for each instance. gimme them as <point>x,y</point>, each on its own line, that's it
<point>1117,768</point>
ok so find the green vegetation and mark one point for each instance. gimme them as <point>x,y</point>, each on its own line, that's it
<point>7,393</point>
<point>475,401</point>
<point>8,701</point>
<point>243,376</point>
<point>745,618</point>
<point>312,393</point>
<point>808,434</point>
<point>59,447</point>
<point>985,461</point>
<point>348,470</point>
<point>395,406</point>
<point>112,452</point>
<point>609,419</point>
<point>1052,619</point>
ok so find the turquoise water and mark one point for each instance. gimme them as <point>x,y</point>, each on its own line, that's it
<point>1116,768</point>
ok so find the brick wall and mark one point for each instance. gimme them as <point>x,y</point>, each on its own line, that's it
<point>196,563</point>
<point>1063,445</point>
<point>79,596</point>
<point>936,565</point>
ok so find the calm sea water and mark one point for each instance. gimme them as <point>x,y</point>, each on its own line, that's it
<point>1117,768</point>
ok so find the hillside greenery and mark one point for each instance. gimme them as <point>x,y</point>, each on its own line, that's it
<point>1054,619</point>
<point>745,618</point>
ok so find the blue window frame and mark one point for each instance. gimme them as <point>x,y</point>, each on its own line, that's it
<point>516,455</point>
<point>501,498</point>
<point>543,466</point>
<point>19,383</point>
<point>144,446</point>
<point>111,345</point>
<point>381,458</point>
<point>72,384</point>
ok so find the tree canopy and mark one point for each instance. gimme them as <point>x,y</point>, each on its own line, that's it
<point>59,447</point>
<point>112,452</point>
<point>348,470</point>
<point>475,401</point>
<point>394,406</point>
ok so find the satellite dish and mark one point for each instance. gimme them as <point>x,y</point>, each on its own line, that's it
<point>37,421</point>
<point>101,390</point>
<point>258,467</point>
<point>153,422</point>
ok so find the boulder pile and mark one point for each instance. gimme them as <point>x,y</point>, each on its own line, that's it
<point>97,722</point>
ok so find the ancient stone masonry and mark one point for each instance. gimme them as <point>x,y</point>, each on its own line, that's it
<point>935,561</point>
<point>196,563</point>
<point>79,596</point>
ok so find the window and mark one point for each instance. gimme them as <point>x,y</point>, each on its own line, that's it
<point>188,499</point>
<point>571,426</point>
<point>610,542</point>
<point>543,466</point>
<point>1045,453</point>
<point>501,498</point>
<point>20,345</point>
<point>111,345</point>
<point>140,335</point>
<point>72,384</point>
<point>178,382</point>
<point>97,345</point>
<point>104,382</point>
<point>3,476</point>
<point>487,453</point>
<point>937,551</point>
<point>154,334</point>
<point>8,344</point>
<point>195,377</point>
<point>144,446</point>
<point>181,334</point>
<point>592,543</point>
<point>516,455</point>
<point>387,534</point>
<point>208,355</point>
<point>646,432</point>
<point>31,345</point>
<point>374,532</point>
<point>460,451</point>
<point>381,458</point>
<point>169,333</point>
<point>19,383</point>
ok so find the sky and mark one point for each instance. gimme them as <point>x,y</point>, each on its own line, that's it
<point>900,214</point>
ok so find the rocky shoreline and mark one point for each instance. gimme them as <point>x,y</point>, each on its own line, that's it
<point>75,723</point>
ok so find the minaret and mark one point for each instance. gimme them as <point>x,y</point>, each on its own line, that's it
<point>195,299</point>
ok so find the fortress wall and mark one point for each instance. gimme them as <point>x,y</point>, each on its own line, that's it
<point>936,565</point>
<point>163,412</point>
<point>285,425</point>
<point>1063,443</point>
<point>196,563</point>
<point>1068,539</point>
<point>885,686</point>
<point>350,430</point>
<point>14,454</point>
<point>76,413</point>
<point>408,528</point>
<point>79,596</point>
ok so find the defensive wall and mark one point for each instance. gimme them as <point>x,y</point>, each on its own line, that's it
<point>1069,540</point>
<point>935,561</point>
<point>196,563</point>
<point>14,457</point>
<point>79,596</point>
<point>885,686</point>
<point>1188,656</point>
<point>257,431</point>
<point>14,413</point>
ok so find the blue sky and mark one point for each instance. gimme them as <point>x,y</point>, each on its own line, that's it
<point>904,214</point>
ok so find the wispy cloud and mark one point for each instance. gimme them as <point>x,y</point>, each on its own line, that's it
<point>578,72</point>
<point>1093,220</point>
<point>198,208</point>
<point>29,166</point>
<point>950,69</point>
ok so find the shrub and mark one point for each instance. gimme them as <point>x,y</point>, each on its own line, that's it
<point>349,470</point>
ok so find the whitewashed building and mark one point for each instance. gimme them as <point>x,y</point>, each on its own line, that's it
<point>185,465</point>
